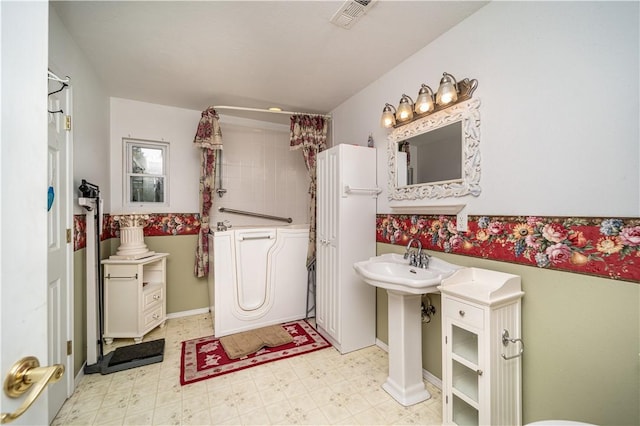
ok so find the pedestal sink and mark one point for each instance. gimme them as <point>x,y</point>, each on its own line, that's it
<point>405,286</point>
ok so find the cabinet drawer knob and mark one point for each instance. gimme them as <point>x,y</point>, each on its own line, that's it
<point>156,297</point>
<point>461,312</point>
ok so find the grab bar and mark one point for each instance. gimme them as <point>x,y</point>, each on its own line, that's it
<point>264,216</point>
<point>350,190</point>
<point>257,237</point>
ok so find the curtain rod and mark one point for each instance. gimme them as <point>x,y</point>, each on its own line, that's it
<point>52,76</point>
<point>268,110</point>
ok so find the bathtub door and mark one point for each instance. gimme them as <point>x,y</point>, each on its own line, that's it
<point>253,289</point>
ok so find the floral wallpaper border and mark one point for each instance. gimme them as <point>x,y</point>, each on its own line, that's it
<point>605,247</point>
<point>159,224</point>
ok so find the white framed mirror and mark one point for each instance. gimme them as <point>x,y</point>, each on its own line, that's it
<point>436,156</point>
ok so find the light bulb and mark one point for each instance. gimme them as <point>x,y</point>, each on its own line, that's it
<point>405,109</point>
<point>424,102</point>
<point>388,119</point>
<point>447,92</point>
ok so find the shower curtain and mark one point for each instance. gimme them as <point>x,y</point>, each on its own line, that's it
<point>209,139</point>
<point>309,133</point>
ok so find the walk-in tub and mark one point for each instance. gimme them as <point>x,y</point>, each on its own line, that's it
<point>257,277</point>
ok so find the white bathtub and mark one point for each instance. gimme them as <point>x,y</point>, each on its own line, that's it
<point>257,277</point>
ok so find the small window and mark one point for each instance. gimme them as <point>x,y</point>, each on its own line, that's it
<point>146,172</point>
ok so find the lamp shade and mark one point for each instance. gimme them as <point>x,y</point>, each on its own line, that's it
<point>388,117</point>
<point>424,101</point>
<point>447,92</point>
<point>405,109</point>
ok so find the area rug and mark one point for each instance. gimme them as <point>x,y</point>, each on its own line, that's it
<point>204,357</point>
<point>243,344</point>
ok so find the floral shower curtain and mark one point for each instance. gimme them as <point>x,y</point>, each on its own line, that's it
<point>209,139</point>
<point>309,133</point>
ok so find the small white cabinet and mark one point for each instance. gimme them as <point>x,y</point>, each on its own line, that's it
<point>481,348</point>
<point>134,296</point>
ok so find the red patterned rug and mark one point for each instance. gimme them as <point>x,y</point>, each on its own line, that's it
<point>204,358</point>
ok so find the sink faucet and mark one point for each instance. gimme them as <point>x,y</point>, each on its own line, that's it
<point>419,259</point>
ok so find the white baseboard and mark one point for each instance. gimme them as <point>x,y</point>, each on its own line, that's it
<point>428,376</point>
<point>382,345</point>
<point>187,313</point>
<point>432,379</point>
<point>80,375</point>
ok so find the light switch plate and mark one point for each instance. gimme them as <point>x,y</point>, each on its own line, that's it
<point>462,224</point>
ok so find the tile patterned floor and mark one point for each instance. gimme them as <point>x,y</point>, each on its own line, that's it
<point>319,388</point>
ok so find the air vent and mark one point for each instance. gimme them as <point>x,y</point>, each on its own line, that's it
<point>350,12</point>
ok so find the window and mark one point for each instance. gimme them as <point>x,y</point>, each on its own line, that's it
<point>146,173</point>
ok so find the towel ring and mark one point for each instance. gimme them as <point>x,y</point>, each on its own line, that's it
<point>505,342</point>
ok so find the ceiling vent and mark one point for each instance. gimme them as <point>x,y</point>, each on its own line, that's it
<point>350,12</point>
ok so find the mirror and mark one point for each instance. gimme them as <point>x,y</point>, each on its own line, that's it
<point>436,156</point>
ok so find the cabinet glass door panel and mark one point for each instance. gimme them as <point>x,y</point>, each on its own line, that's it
<point>465,381</point>
<point>464,343</point>
<point>463,413</point>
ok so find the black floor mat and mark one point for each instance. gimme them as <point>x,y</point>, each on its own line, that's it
<point>137,352</point>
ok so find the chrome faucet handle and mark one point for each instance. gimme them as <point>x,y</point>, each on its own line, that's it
<point>424,260</point>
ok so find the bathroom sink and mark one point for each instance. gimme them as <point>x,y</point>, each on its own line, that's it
<point>405,286</point>
<point>392,272</point>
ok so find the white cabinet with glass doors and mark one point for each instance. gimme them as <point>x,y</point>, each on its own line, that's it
<point>481,348</point>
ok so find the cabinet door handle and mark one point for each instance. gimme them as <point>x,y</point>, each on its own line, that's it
<point>461,312</point>
<point>479,372</point>
<point>156,297</point>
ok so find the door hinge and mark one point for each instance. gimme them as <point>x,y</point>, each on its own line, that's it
<point>68,235</point>
<point>69,347</point>
<point>67,122</point>
<point>446,399</point>
<point>445,340</point>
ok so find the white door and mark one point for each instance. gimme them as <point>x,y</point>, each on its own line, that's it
<point>23,201</point>
<point>334,297</point>
<point>321,241</point>
<point>327,303</point>
<point>59,241</point>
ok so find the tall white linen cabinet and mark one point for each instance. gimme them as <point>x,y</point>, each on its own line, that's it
<point>345,234</point>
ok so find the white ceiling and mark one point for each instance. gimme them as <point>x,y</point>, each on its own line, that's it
<point>250,53</point>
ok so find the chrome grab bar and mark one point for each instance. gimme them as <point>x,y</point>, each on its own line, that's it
<point>264,216</point>
<point>256,237</point>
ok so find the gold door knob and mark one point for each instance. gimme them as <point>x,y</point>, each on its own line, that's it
<point>22,376</point>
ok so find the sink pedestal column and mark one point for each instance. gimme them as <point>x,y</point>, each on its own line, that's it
<point>405,383</point>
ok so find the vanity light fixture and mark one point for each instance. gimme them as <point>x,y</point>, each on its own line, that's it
<point>388,116</point>
<point>424,101</point>
<point>405,109</point>
<point>450,92</point>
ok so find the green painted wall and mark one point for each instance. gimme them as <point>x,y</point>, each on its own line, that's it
<point>185,292</point>
<point>582,343</point>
